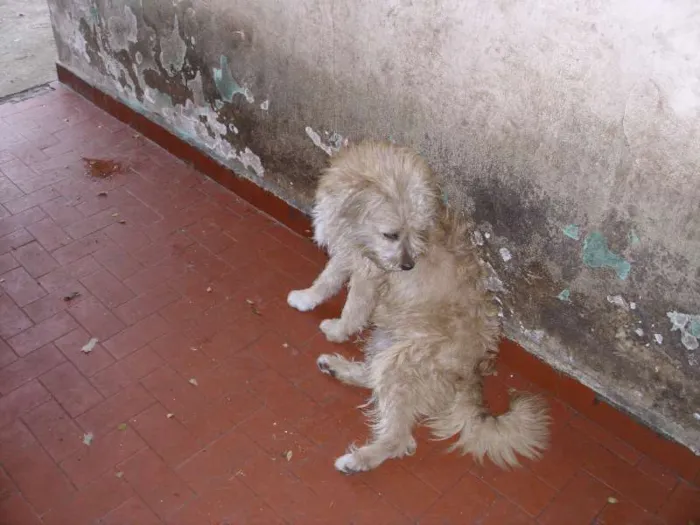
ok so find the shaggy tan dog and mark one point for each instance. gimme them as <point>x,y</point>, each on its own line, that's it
<point>416,279</point>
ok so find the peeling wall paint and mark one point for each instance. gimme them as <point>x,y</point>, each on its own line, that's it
<point>596,254</point>
<point>689,327</point>
<point>227,85</point>
<point>335,141</point>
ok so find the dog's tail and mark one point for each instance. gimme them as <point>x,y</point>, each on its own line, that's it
<point>523,430</point>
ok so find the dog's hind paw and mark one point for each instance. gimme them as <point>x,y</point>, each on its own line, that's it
<point>324,366</point>
<point>334,330</point>
<point>302,300</point>
<point>348,464</point>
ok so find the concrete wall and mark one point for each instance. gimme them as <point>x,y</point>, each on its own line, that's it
<point>570,131</point>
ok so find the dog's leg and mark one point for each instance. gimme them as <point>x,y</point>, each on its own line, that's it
<point>356,312</point>
<point>326,285</point>
<point>392,437</point>
<point>350,372</point>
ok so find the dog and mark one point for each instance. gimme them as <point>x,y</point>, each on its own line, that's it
<point>415,277</point>
<point>375,206</point>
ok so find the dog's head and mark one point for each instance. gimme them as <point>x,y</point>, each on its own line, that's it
<point>395,212</point>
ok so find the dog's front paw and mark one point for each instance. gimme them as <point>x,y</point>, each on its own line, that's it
<point>302,300</point>
<point>324,365</point>
<point>334,330</point>
<point>349,464</point>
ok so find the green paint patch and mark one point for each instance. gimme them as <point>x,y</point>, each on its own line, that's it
<point>564,295</point>
<point>225,83</point>
<point>694,326</point>
<point>633,238</point>
<point>572,231</point>
<point>596,254</point>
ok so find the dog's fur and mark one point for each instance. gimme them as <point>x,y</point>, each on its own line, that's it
<point>434,326</point>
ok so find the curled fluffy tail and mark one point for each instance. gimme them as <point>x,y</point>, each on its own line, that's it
<point>523,430</point>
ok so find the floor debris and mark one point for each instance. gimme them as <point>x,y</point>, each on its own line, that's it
<point>87,438</point>
<point>102,168</point>
<point>89,346</point>
<point>71,296</point>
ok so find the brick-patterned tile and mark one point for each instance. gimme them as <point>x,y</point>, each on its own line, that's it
<point>27,368</point>
<point>49,234</point>
<point>624,478</point>
<point>92,224</point>
<point>286,494</point>
<point>402,488</point>
<point>520,485</point>
<point>19,285</point>
<point>657,472</point>
<point>172,244</point>
<point>103,454</point>
<point>81,247</point>
<point>133,511</point>
<point>12,319</point>
<point>683,505</point>
<point>165,434</point>
<point>127,371</point>
<point>7,263</point>
<point>115,410</point>
<point>21,400</point>
<point>280,396</point>
<point>439,468</point>
<point>91,502</point>
<point>137,336</point>
<point>8,190</point>
<point>21,220</point>
<point>33,199</point>
<point>55,430</point>
<point>229,503</point>
<point>35,259</point>
<point>15,510</point>
<point>151,277</point>
<point>146,304</point>
<point>36,475</point>
<point>14,240</point>
<point>62,211</point>
<point>469,500</point>
<point>7,355</point>
<point>119,262</point>
<point>71,389</point>
<point>96,318</point>
<point>205,420</point>
<point>210,235</point>
<point>69,273</point>
<point>622,512</point>
<point>274,350</point>
<point>504,512</point>
<point>156,483</point>
<point>277,436</point>
<point>128,237</point>
<point>71,345</point>
<point>7,487</point>
<point>578,502</point>
<point>602,436</point>
<point>107,288</point>
<point>219,461</point>
<point>43,333</point>
<point>57,301</point>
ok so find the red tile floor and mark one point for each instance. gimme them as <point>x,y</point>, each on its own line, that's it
<point>201,397</point>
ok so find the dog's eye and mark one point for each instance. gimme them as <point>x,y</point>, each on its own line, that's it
<point>392,236</point>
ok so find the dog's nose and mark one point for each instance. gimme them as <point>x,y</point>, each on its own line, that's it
<point>407,265</point>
